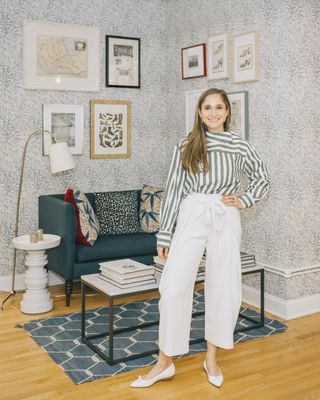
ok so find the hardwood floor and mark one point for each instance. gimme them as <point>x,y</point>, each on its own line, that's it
<point>285,366</point>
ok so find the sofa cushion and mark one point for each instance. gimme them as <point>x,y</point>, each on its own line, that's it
<point>87,223</point>
<point>118,246</point>
<point>150,202</point>
<point>118,212</point>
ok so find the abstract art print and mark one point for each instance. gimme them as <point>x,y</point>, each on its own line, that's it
<point>218,56</point>
<point>193,61</point>
<point>110,129</point>
<point>122,62</point>
<point>61,56</point>
<point>246,57</point>
<point>66,123</point>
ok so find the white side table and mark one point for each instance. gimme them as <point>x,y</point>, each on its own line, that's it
<point>37,298</point>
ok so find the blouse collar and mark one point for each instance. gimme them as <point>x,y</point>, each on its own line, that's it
<point>223,136</point>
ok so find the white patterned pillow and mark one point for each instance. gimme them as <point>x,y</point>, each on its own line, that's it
<point>150,202</point>
<point>89,224</point>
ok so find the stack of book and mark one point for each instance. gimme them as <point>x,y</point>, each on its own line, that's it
<point>247,261</point>
<point>159,264</point>
<point>127,273</point>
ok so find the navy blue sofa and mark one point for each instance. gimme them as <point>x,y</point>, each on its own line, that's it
<point>71,260</point>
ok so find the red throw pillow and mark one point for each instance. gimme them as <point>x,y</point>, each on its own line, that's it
<point>70,199</point>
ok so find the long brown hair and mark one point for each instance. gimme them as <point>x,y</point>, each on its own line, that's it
<point>194,153</point>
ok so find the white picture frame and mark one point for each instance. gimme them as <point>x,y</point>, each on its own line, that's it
<point>239,111</point>
<point>192,97</point>
<point>246,57</point>
<point>110,129</point>
<point>218,56</point>
<point>65,121</point>
<point>61,56</point>
<point>239,123</point>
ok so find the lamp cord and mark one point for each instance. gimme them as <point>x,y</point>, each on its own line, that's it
<point>14,262</point>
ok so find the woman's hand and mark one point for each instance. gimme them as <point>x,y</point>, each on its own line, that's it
<point>232,200</point>
<point>162,253</point>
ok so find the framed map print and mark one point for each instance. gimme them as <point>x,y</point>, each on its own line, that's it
<point>61,56</point>
<point>110,129</point>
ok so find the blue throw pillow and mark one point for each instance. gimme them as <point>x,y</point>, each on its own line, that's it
<point>150,203</point>
<point>118,212</point>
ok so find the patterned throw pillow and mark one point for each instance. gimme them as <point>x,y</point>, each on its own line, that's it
<point>87,223</point>
<point>118,212</point>
<point>150,203</point>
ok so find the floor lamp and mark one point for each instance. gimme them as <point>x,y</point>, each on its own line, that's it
<point>60,160</point>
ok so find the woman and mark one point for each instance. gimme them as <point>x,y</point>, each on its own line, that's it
<point>201,208</point>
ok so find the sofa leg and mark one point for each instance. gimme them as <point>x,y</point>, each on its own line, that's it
<point>68,290</point>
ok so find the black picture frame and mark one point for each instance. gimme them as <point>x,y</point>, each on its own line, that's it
<point>123,57</point>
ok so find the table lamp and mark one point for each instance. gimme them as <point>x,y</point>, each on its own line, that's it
<point>60,160</point>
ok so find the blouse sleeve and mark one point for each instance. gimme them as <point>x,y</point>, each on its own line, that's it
<point>171,200</point>
<point>256,171</point>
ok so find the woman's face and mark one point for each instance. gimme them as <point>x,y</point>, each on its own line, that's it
<point>213,113</point>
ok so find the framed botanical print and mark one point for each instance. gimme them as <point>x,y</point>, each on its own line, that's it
<point>66,123</point>
<point>239,113</point>
<point>218,56</point>
<point>61,56</point>
<point>193,61</point>
<point>110,129</point>
<point>246,57</point>
<point>122,62</point>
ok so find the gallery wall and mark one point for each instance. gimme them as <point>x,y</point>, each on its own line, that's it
<point>21,110</point>
<point>282,231</point>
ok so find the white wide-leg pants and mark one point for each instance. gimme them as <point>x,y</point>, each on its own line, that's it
<point>203,222</point>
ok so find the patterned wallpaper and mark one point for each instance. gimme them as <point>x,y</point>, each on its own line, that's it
<point>21,110</point>
<point>283,113</point>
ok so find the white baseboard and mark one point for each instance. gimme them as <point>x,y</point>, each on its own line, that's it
<point>6,282</point>
<point>286,309</point>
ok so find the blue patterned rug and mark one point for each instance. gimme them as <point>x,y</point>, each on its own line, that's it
<point>60,337</point>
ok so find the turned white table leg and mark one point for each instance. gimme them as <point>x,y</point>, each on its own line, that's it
<point>37,298</point>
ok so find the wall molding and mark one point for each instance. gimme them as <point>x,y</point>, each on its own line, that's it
<point>289,272</point>
<point>6,281</point>
<point>286,309</point>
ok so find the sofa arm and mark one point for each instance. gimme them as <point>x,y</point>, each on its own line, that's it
<point>58,217</point>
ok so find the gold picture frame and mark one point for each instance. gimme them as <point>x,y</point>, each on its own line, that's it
<point>110,133</point>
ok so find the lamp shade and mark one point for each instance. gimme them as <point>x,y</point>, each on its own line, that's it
<point>60,157</point>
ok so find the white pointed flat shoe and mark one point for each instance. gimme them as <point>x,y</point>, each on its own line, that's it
<point>165,374</point>
<point>214,380</point>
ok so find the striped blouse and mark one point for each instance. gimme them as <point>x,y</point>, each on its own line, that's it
<point>229,157</point>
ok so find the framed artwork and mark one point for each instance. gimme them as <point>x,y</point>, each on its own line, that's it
<point>66,123</point>
<point>122,62</point>
<point>192,97</point>
<point>61,56</point>
<point>246,57</point>
<point>218,56</point>
<point>239,113</point>
<point>110,129</point>
<point>193,61</point>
